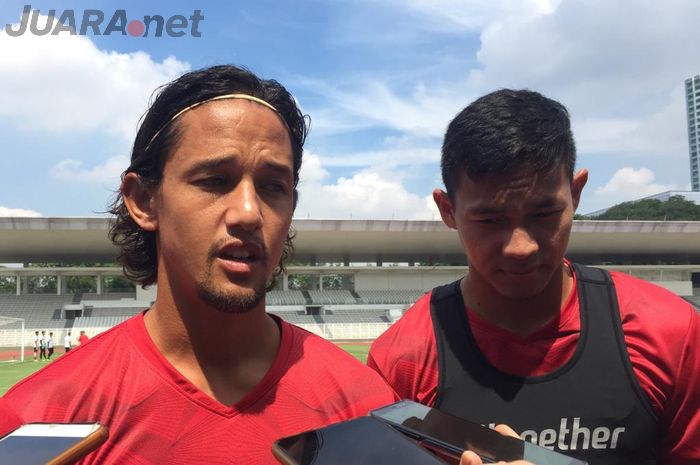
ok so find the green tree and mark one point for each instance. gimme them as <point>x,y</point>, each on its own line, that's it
<point>301,282</point>
<point>42,284</point>
<point>8,285</point>
<point>118,284</point>
<point>676,208</point>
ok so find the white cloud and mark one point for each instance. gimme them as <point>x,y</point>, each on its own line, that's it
<point>370,102</point>
<point>475,14</point>
<point>631,184</point>
<point>65,83</point>
<point>618,66</point>
<point>106,174</point>
<point>368,194</point>
<point>5,211</point>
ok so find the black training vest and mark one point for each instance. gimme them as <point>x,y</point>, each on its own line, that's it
<point>578,409</point>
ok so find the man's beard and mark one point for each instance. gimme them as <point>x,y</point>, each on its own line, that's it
<point>241,301</point>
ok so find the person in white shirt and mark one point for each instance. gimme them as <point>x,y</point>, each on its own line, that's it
<point>49,346</point>
<point>42,346</point>
<point>36,345</point>
<point>67,342</point>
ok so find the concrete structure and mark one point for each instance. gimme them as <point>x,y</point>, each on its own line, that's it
<point>377,254</point>
<point>349,268</point>
<point>380,242</point>
<point>692,94</point>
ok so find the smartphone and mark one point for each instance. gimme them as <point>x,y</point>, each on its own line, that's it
<point>451,435</point>
<point>50,443</point>
<point>361,441</point>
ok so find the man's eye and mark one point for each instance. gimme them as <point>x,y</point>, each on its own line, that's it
<point>275,188</point>
<point>490,220</point>
<point>212,182</point>
<point>546,214</point>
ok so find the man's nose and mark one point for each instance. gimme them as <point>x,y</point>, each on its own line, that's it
<point>520,244</point>
<point>244,207</point>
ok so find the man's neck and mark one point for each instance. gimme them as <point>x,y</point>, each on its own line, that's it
<point>519,316</point>
<point>224,355</point>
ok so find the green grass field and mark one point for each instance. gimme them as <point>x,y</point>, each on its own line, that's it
<point>10,373</point>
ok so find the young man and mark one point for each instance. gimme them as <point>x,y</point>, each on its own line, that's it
<point>67,343</point>
<point>49,346</point>
<point>83,338</point>
<point>599,366</point>
<point>42,346</point>
<point>205,376</point>
<point>36,344</point>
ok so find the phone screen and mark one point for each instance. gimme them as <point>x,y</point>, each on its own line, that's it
<point>362,441</point>
<point>37,444</point>
<point>454,435</point>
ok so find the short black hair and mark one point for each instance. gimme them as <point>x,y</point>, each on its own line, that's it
<point>158,134</point>
<point>504,132</point>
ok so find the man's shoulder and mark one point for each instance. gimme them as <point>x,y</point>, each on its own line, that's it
<point>652,306</point>
<point>632,288</point>
<point>313,350</point>
<point>322,369</point>
<point>411,338</point>
<point>416,319</point>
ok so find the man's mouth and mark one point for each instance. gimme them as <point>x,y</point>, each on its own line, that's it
<point>237,255</point>
<point>241,253</point>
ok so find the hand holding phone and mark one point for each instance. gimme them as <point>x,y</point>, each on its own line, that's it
<point>449,436</point>
<point>362,441</point>
<point>51,443</point>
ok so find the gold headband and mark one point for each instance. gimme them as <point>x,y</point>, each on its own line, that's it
<point>220,97</point>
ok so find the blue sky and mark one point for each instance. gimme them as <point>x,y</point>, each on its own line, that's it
<point>380,79</point>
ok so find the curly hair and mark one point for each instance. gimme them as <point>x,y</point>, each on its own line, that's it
<point>158,135</point>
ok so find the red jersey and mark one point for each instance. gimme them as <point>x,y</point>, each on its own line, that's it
<point>662,333</point>
<point>156,416</point>
<point>9,420</point>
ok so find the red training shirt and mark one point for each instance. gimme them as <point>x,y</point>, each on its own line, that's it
<point>662,332</point>
<point>156,416</point>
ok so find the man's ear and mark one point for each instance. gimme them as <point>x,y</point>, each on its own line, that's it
<point>140,200</point>
<point>444,204</point>
<point>577,184</point>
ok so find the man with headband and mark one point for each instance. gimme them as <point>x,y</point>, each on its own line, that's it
<point>205,376</point>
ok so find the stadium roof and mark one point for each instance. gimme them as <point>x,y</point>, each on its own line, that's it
<point>84,239</point>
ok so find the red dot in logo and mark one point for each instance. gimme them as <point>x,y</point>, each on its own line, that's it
<point>135,28</point>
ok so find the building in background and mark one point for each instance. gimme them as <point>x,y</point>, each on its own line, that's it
<point>692,102</point>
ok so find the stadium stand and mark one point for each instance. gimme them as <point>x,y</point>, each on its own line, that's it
<point>339,297</point>
<point>275,297</point>
<point>390,297</point>
<point>387,264</point>
<point>38,310</point>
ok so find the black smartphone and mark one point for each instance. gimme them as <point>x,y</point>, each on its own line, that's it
<point>451,435</point>
<point>361,441</point>
<point>50,443</point>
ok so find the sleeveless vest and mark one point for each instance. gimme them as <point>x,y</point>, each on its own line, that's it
<point>591,408</point>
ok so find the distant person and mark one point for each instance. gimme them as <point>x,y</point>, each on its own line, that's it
<point>597,365</point>
<point>205,376</point>
<point>83,338</point>
<point>67,343</point>
<point>36,345</point>
<point>42,346</point>
<point>49,346</point>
